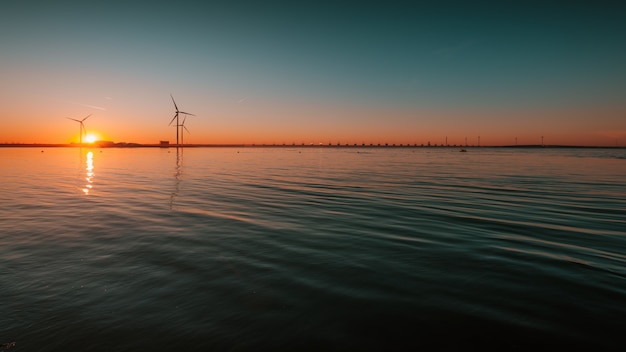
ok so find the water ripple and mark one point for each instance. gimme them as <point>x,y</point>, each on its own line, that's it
<point>312,249</point>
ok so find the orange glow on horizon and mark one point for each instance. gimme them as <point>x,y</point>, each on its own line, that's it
<point>336,125</point>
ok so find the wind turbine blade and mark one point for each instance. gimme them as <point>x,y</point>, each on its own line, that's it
<point>186,113</point>
<point>73,119</point>
<point>185,127</point>
<point>174,118</point>
<point>86,117</point>
<point>174,102</point>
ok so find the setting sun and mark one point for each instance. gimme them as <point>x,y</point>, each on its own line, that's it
<point>90,138</point>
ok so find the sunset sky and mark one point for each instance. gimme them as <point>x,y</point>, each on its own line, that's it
<point>315,72</point>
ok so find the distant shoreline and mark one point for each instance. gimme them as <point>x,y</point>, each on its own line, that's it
<point>139,145</point>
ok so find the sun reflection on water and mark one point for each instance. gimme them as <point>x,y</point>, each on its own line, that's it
<point>90,173</point>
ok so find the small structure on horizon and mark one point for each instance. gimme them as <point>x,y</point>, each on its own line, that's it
<point>164,144</point>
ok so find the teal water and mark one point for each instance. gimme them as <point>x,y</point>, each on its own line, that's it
<point>312,249</point>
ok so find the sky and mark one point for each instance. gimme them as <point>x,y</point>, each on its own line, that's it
<point>263,72</point>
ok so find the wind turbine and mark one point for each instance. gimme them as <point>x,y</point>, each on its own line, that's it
<point>182,133</point>
<point>176,118</point>
<point>82,126</point>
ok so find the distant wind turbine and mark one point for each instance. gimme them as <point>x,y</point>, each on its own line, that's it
<point>182,133</point>
<point>178,125</point>
<point>82,126</point>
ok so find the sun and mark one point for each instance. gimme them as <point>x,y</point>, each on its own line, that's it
<point>90,138</point>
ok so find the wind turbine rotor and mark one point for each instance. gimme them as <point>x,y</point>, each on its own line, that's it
<point>183,124</point>
<point>82,129</point>
<point>180,128</point>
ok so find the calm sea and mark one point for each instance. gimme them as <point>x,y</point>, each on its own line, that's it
<point>378,249</point>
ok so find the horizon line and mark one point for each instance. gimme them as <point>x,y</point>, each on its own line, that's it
<point>294,145</point>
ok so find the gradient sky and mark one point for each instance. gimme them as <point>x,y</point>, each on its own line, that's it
<point>315,72</point>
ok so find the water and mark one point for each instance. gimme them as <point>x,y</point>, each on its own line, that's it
<point>312,249</point>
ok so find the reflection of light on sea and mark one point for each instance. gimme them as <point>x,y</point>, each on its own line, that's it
<point>90,173</point>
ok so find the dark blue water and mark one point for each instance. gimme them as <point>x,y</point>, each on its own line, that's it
<point>312,249</point>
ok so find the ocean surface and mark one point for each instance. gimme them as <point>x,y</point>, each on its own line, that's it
<point>316,249</point>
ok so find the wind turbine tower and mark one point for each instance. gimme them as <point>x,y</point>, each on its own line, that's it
<point>178,125</point>
<point>82,126</point>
